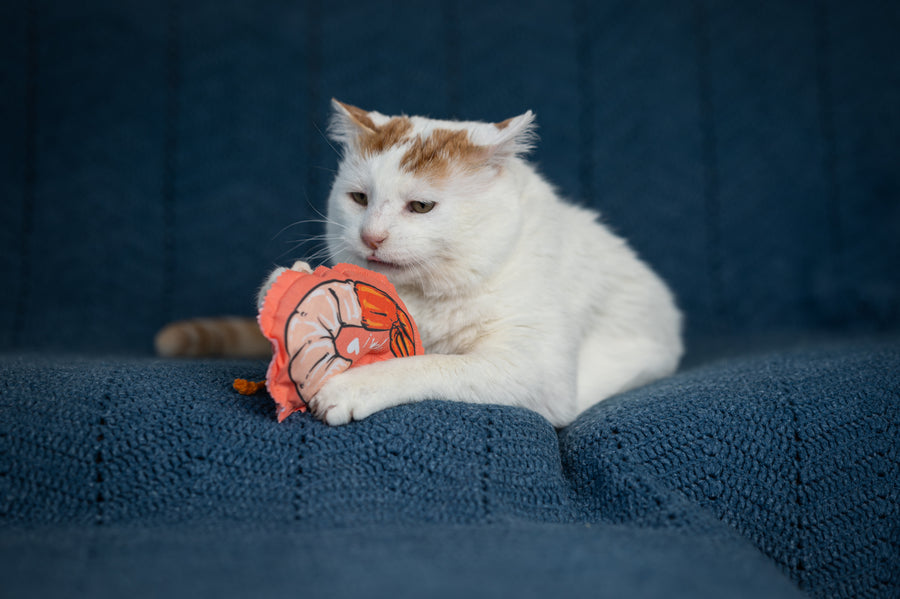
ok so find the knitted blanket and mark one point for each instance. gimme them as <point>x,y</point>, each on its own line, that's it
<point>725,473</point>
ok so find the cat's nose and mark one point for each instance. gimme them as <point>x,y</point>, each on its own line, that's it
<point>372,240</point>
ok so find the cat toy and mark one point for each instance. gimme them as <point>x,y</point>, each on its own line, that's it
<point>323,322</point>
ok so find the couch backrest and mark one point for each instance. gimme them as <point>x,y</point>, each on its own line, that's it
<point>153,152</point>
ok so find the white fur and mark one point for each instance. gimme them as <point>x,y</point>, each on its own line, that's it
<point>520,298</point>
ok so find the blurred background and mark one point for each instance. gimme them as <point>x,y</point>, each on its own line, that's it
<point>154,153</point>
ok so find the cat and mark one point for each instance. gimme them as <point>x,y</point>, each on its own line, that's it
<point>521,298</point>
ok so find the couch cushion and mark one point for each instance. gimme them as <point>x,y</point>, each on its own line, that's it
<point>148,477</point>
<point>798,450</point>
<point>795,451</point>
<point>103,441</point>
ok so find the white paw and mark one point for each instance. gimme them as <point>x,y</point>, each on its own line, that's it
<point>341,400</point>
<point>301,266</point>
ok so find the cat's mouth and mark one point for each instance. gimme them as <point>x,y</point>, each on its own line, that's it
<point>375,261</point>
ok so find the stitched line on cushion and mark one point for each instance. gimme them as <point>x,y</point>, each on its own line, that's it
<point>796,442</point>
<point>100,467</point>
<point>451,49</point>
<point>711,191</point>
<point>5,466</point>
<point>888,536</point>
<point>829,155</point>
<point>585,101</point>
<point>170,155</point>
<point>485,476</point>
<point>299,504</point>
<point>30,176</point>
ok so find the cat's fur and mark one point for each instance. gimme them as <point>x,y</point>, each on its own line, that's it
<point>520,298</point>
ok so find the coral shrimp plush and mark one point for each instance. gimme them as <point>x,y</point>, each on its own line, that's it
<point>322,322</point>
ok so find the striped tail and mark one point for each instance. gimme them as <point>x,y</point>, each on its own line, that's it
<point>228,337</point>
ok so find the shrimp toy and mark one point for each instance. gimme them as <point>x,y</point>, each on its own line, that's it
<point>323,322</point>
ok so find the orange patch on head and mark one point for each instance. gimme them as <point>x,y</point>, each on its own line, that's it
<point>373,139</point>
<point>433,156</point>
<point>385,137</point>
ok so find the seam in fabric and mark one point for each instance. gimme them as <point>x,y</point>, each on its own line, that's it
<point>485,475</point>
<point>170,156</point>
<point>5,467</point>
<point>711,185</point>
<point>298,473</point>
<point>29,191</point>
<point>100,498</point>
<point>824,81</point>
<point>798,569</point>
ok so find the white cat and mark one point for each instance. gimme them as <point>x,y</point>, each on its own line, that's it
<point>520,298</point>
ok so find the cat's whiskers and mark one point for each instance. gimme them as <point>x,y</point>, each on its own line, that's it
<point>325,255</point>
<point>299,223</point>
<point>325,241</point>
<point>324,168</point>
<point>327,140</point>
<point>321,243</point>
<point>324,218</point>
<point>331,250</point>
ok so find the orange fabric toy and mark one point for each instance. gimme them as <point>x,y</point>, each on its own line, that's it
<point>324,322</point>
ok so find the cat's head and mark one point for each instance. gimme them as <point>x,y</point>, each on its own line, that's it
<point>431,204</point>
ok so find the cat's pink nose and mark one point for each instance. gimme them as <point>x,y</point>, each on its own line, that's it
<point>372,240</point>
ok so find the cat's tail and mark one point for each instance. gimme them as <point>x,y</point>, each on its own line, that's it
<point>227,337</point>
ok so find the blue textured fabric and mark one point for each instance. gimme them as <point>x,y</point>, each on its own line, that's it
<point>797,450</point>
<point>793,453</point>
<point>159,158</point>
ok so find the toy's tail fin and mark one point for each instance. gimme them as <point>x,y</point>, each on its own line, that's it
<point>229,337</point>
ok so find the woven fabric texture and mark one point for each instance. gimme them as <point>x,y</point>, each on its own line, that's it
<point>770,452</point>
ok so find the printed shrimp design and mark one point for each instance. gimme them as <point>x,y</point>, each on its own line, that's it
<point>336,324</point>
<point>322,322</point>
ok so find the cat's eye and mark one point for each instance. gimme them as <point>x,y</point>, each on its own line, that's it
<point>421,207</point>
<point>360,198</point>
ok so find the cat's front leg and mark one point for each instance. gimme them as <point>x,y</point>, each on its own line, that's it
<point>360,392</point>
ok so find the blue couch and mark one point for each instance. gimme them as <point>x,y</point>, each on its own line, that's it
<point>153,153</point>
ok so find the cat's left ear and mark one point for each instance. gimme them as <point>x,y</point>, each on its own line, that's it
<point>349,122</point>
<point>512,137</point>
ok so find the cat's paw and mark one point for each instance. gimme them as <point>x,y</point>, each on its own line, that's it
<point>301,266</point>
<point>346,397</point>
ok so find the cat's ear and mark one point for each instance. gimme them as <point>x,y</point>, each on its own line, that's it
<point>348,123</point>
<point>512,137</point>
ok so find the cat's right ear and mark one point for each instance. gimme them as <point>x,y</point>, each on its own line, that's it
<point>348,123</point>
<point>512,137</point>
